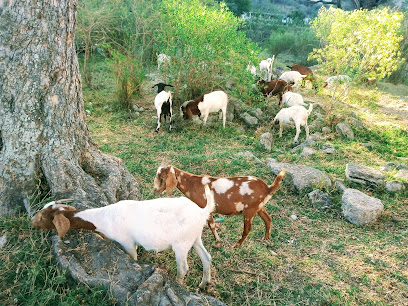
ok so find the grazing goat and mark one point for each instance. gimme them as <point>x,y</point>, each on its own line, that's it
<point>157,225</point>
<point>292,99</point>
<point>297,114</point>
<point>161,86</point>
<point>265,66</point>
<point>163,103</point>
<point>246,195</point>
<point>163,60</point>
<point>251,68</point>
<point>190,108</point>
<point>305,71</point>
<point>213,102</point>
<point>341,80</point>
<point>292,77</point>
<point>275,87</point>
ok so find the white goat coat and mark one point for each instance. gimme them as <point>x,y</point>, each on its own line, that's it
<point>291,99</point>
<point>213,102</point>
<point>154,224</point>
<point>294,114</point>
<point>160,98</point>
<point>292,77</point>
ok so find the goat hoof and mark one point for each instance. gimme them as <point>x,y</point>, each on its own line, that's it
<point>156,130</point>
<point>218,244</point>
<point>237,245</point>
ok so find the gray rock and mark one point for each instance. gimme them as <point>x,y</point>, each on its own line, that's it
<point>328,150</point>
<point>340,185</point>
<point>230,111</point>
<point>315,136</point>
<point>249,154</point>
<point>355,122</point>
<point>307,152</point>
<point>96,261</point>
<point>307,143</point>
<point>344,130</point>
<point>386,167</point>
<point>267,141</point>
<point>241,129</point>
<point>394,186</point>
<point>257,112</point>
<point>326,130</point>
<point>319,199</point>
<point>391,166</point>
<point>364,175</point>
<point>402,174</point>
<point>359,208</point>
<point>3,241</point>
<point>302,177</point>
<point>249,120</point>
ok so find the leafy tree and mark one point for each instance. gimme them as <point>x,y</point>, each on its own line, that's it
<point>361,43</point>
<point>239,6</point>
<point>206,47</point>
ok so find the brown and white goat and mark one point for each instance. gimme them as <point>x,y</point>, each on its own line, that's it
<point>190,108</point>
<point>157,224</point>
<point>305,71</point>
<point>246,195</point>
<point>275,88</point>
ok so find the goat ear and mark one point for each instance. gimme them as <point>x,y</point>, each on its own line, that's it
<point>62,224</point>
<point>171,181</point>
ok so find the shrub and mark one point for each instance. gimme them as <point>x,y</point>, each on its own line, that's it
<point>128,76</point>
<point>361,42</point>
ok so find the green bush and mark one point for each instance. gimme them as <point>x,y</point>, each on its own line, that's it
<point>206,47</point>
<point>128,76</point>
<point>362,43</point>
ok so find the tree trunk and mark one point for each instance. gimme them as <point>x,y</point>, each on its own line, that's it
<point>44,140</point>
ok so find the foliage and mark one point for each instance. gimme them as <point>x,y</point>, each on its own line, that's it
<point>207,49</point>
<point>128,76</point>
<point>361,43</point>
<point>299,41</point>
<point>401,74</point>
<point>239,6</point>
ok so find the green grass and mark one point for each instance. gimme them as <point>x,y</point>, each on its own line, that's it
<point>318,259</point>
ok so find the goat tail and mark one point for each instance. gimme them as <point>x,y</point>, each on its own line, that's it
<point>209,208</point>
<point>277,182</point>
<point>310,109</point>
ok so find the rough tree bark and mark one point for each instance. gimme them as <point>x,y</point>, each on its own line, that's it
<point>43,133</point>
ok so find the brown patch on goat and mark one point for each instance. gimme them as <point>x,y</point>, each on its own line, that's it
<point>237,201</point>
<point>190,109</point>
<point>276,87</point>
<point>60,218</point>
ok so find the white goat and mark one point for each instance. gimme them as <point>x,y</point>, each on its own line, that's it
<point>296,114</point>
<point>265,67</point>
<point>251,68</point>
<point>342,81</point>
<point>163,60</point>
<point>292,77</point>
<point>213,102</point>
<point>291,99</point>
<point>163,103</point>
<point>156,225</point>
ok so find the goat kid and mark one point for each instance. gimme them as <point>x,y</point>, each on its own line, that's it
<point>296,114</point>
<point>292,77</point>
<point>163,103</point>
<point>157,225</point>
<point>246,195</point>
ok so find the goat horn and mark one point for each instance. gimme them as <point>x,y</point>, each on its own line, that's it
<point>63,201</point>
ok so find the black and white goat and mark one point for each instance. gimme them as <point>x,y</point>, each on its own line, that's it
<point>161,86</point>
<point>163,103</point>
